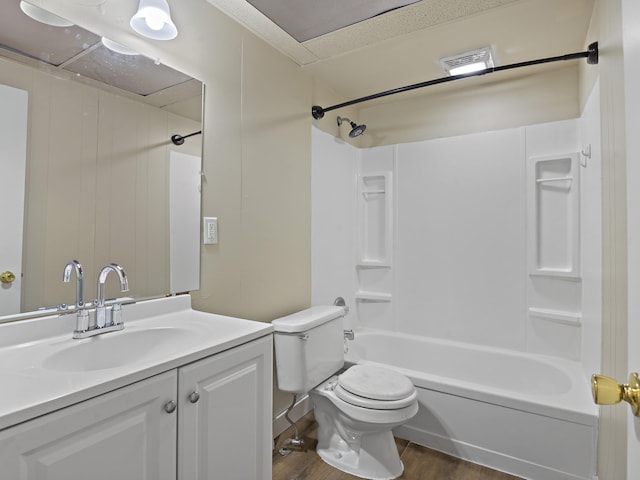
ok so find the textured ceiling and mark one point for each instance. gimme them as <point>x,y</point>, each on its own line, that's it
<point>414,17</point>
<point>307,19</point>
<point>403,46</point>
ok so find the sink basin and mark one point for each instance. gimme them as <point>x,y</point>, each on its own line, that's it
<point>116,349</point>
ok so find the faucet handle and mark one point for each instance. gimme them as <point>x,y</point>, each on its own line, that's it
<point>116,314</point>
<point>82,320</point>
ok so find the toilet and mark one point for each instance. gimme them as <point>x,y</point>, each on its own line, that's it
<point>356,408</point>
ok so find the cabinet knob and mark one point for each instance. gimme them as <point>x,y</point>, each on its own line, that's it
<point>170,407</point>
<point>194,397</point>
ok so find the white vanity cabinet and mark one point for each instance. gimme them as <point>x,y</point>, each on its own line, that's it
<point>224,407</point>
<point>124,434</point>
<point>209,419</point>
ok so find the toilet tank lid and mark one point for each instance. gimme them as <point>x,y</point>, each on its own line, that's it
<point>307,319</point>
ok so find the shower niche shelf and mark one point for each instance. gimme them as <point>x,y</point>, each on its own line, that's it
<point>362,296</point>
<point>557,316</point>
<point>371,264</point>
<point>553,215</point>
<point>374,220</point>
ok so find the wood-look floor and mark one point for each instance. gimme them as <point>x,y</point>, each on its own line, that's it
<point>420,463</point>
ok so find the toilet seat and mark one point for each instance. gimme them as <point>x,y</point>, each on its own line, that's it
<point>375,387</point>
<point>371,412</point>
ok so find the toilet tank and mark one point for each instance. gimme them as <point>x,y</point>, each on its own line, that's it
<point>309,347</point>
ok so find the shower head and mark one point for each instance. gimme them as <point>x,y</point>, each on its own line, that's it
<point>356,130</point>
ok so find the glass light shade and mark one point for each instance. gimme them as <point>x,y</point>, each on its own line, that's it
<point>118,47</point>
<point>153,20</point>
<point>43,16</point>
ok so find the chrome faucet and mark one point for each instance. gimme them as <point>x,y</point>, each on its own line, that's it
<point>82,315</point>
<point>105,319</point>
<point>101,309</point>
<point>75,265</point>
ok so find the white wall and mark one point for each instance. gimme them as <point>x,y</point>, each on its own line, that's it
<point>631,32</point>
<point>374,244</point>
<point>548,292</point>
<point>591,234</point>
<point>459,265</point>
<point>333,174</point>
<point>530,99</point>
<point>460,262</point>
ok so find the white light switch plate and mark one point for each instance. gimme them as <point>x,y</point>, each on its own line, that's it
<point>210,230</point>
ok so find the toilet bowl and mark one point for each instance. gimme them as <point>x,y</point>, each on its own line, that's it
<point>355,410</point>
<point>354,432</point>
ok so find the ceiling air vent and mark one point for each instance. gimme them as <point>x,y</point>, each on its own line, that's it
<point>468,62</point>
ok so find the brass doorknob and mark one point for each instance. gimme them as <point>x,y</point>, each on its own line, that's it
<point>7,277</point>
<point>607,391</point>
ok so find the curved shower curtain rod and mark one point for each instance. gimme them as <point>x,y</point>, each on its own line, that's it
<point>591,55</point>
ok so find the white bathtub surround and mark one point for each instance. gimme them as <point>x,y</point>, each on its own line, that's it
<point>554,218</point>
<point>460,275</point>
<point>525,414</point>
<point>334,164</point>
<point>460,213</point>
<point>461,239</point>
<point>591,232</point>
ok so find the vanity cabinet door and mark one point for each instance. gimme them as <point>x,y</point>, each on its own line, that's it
<point>125,434</point>
<point>224,429</point>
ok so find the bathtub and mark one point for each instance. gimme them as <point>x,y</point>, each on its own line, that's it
<point>528,415</point>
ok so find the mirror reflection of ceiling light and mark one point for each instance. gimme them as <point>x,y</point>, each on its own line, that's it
<point>43,16</point>
<point>118,47</point>
<point>468,62</point>
<point>153,20</point>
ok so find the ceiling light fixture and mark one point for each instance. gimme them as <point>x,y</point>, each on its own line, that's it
<point>468,62</point>
<point>118,47</point>
<point>153,20</point>
<point>44,16</point>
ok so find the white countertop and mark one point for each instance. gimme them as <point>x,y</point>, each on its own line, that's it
<point>33,384</point>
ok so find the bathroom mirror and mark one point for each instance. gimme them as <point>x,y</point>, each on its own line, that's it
<point>99,165</point>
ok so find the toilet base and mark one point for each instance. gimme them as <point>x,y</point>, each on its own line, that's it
<point>362,448</point>
<point>377,458</point>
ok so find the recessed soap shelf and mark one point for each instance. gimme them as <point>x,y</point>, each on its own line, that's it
<point>373,297</point>
<point>372,264</point>
<point>558,316</point>
<point>375,242</point>
<point>553,215</point>
<point>373,192</point>
<point>375,225</point>
<point>553,179</point>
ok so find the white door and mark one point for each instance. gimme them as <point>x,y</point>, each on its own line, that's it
<point>184,221</point>
<point>127,434</point>
<point>631,38</point>
<point>13,160</point>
